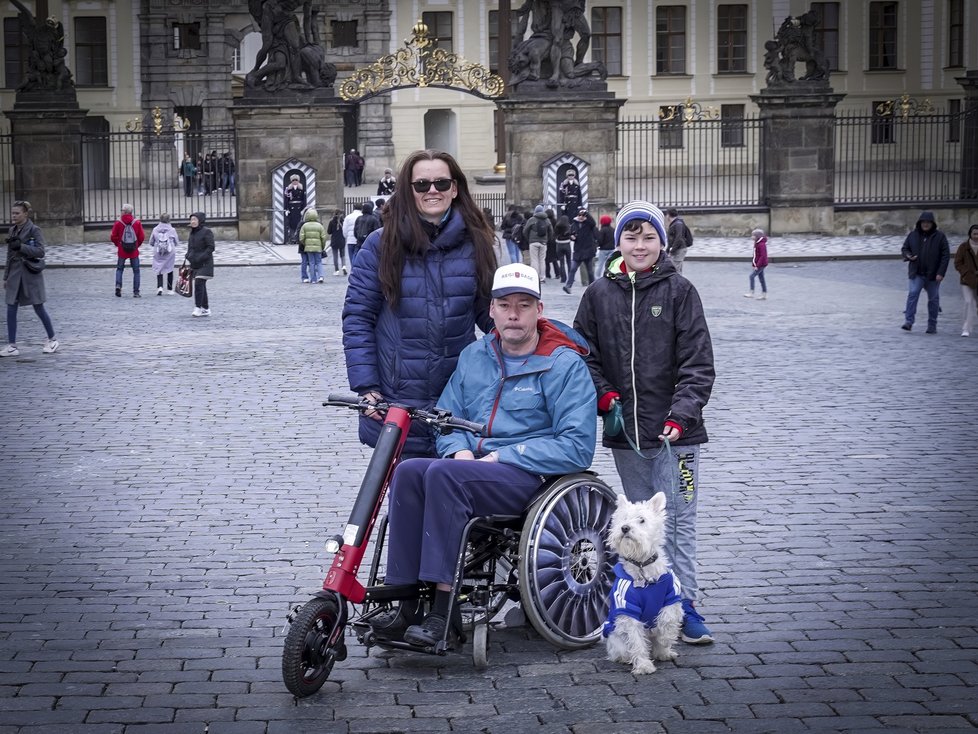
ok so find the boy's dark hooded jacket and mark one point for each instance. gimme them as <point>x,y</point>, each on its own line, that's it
<point>633,331</point>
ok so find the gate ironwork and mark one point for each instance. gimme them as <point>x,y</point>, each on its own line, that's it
<point>142,166</point>
<point>690,158</point>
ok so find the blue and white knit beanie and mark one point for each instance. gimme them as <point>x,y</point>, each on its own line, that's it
<point>643,211</point>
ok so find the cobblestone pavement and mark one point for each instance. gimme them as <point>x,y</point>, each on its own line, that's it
<point>167,483</point>
<point>781,249</point>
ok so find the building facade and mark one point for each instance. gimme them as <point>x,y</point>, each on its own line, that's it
<point>188,58</point>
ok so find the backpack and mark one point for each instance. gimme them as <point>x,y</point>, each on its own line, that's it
<point>689,236</point>
<point>164,247</point>
<point>540,227</point>
<point>128,237</point>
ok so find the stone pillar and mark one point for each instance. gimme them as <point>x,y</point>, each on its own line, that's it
<point>47,157</point>
<point>541,123</point>
<point>969,136</point>
<point>271,130</point>
<point>798,155</point>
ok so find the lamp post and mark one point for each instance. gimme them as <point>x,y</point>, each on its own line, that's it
<point>505,46</point>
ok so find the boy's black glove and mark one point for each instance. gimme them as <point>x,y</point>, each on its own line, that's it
<point>13,243</point>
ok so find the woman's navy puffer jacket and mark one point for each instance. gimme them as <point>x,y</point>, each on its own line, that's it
<point>407,354</point>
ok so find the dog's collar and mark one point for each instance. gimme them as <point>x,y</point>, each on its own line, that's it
<point>641,564</point>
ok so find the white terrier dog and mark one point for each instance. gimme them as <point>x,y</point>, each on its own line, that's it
<point>646,611</point>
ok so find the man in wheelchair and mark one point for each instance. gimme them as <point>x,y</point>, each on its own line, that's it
<point>527,382</point>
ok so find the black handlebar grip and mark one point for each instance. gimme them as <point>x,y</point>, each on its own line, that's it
<point>467,425</point>
<point>336,398</point>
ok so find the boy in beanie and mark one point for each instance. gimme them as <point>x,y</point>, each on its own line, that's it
<point>651,357</point>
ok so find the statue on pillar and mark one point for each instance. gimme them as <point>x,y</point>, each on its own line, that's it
<point>795,42</point>
<point>46,70</point>
<point>290,57</point>
<point>549,53</point>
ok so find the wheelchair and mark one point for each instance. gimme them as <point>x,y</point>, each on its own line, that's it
<point>553,559</point>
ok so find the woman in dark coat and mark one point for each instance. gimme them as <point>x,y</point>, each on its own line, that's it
<point>420,286</point>
<point>21,286</point>
<point>200,258</point>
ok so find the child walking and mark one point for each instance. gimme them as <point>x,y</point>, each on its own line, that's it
<point>651,354</point>
<point>759,262</point>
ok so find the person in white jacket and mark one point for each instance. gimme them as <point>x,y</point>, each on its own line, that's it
<point>349,224</point>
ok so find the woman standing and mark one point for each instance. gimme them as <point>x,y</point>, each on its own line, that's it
<point>22,286</point>
<point>966,263</point>
<point>337,241</point>
<point>420,286</point>
<point>164,242</point>
<point>200,257</point>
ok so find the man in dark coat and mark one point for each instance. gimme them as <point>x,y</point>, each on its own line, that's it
<point>927,254</point>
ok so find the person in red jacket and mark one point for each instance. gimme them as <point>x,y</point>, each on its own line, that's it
<point>127,235</point>
<point>759,262</point>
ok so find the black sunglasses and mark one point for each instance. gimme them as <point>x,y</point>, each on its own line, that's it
<point>423,185</point>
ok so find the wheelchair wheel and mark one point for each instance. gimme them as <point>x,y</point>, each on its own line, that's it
<point>307,658</point>
<point>566,568</point>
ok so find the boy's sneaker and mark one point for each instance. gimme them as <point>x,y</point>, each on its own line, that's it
<point>205,312</point>
<point>198,312</point>
<point>136,294</point>
<point>749,295</point>
<point>305,280</point>
<point>695,631</point>
<point>762,297</point>
<point>159,291</point>
<point>344,271</point>
<point>50,346</point>
<point>336,272</point>
<point>171,292</point>
<point>10,350</point>
<point>320,280</point>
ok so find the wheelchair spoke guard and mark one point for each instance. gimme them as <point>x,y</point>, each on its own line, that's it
<point>566,565</point>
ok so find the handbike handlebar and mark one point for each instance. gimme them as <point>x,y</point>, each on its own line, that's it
<point>441,420</point>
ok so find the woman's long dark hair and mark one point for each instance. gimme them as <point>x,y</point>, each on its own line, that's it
<point>404,236</point>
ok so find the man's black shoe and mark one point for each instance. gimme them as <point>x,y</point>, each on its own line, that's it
<point>428,633</point>
<point>931,330</point>
<point>907,327</point>
<point>390,625</point>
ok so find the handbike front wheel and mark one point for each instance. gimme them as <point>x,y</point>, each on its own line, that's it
<point>307,658</point>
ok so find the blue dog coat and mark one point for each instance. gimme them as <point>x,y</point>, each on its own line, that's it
<point>640,602</point>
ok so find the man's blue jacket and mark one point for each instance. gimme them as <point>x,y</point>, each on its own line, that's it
<point>541,417</point>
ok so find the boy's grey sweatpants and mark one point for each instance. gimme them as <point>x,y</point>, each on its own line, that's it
<point>641,478</point>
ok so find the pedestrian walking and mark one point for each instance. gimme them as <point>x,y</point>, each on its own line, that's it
<point>758,262</point>
<point>200,258</point>
<point>188,170</point>
<point>680,238</point>
<point>417,290</point>
<point>512,226</point>
<point>606,243</point>
<point>562,235</point>
<point>651,358</point>
<point>584,231</point>
<point>23,279</point>
<point>350,233</point>
<point>228,170</point>
<point>337,242</point>
<point>537,232</point>
<point>164,241</point>
<point>966,263</point>
<point>312,237</point>
<point>366,223</point>
<point>210,173</point>
<point>127,235</point>
<point>927,254</point>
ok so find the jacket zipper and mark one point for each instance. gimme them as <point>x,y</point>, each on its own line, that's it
<point>638,440</point>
